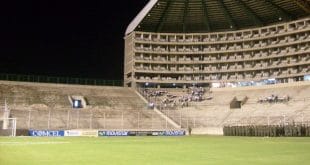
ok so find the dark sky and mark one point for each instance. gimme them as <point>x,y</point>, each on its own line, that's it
<point>65,38</point>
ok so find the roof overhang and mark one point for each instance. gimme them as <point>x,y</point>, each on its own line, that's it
<point>138,19</point>
<point>206,16</point>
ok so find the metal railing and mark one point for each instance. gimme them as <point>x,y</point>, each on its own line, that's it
<point>59,80</point>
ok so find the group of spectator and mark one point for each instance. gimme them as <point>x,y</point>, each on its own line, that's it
<point>274,99</point>
<point>171,101</point>
<point>194,94</point>
<point>151,93</point>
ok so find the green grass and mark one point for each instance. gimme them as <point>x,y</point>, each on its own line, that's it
<point>154,150</point>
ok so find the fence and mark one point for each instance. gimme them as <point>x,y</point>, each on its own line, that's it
<point>192,119</point>
<point>60,80</point>
<point>88,119</point>
<point>136,119</point>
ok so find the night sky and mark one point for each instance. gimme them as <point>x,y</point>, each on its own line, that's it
<point>65,38</point>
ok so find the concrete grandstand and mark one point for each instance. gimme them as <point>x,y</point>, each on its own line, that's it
<point>183,42</point>
<point>48,106</point>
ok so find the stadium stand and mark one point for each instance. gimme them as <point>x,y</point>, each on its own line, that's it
<point>277,51</point>
<point>195,64</point>
<point>202,42</point>
<point>216,112</point>
<point>47,106</point>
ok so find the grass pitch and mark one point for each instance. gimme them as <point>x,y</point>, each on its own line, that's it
<point>154,150</point>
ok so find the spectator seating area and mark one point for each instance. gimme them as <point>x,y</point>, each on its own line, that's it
<point>292,106</point>
<point>279,51</point>
<point>274,99</point>
<point>47,106</point>
<point>165,99</point>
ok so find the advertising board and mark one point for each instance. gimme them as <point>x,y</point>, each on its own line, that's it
<point>72,133</point>
<point>113,133</point>
<point>55,133</point>
<point>142,133</point>
<point>89,133</point>
<point>173,133</point>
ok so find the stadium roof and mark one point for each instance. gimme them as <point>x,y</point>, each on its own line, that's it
<point>193,16</point>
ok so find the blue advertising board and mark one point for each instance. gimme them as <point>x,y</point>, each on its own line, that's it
<point>173,133</point>
<point>113,133</point>
<point>46,133</point>
<point>142,133</point>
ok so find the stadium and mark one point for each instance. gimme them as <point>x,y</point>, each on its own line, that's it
<point>197,73</point>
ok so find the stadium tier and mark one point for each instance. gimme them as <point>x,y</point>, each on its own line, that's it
<point>277,104</point>
<point>180,43</point>
<point>49,106</point>
<point>206,110</point>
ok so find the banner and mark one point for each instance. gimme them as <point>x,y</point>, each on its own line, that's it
<point>113,133</point>
<point>81,133</point>
<point>72,133</point>
<point>46,133</point>
<point>142,133</point>
<point>89,133</point>
<point>155,133</point>
<point>173,133</point>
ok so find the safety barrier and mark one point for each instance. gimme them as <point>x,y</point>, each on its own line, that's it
<point>59,80</point>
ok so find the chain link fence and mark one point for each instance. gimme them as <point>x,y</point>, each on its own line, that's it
<point>139,119</point>
<point>89,119</point>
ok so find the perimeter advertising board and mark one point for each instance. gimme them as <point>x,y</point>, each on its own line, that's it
<point>72,133</point>
<point>49,133</point>
<point>172,133</point>
<point>142,133</point>
<point>113,133</point>
<point>89,133</point>
<point>81,133</point>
